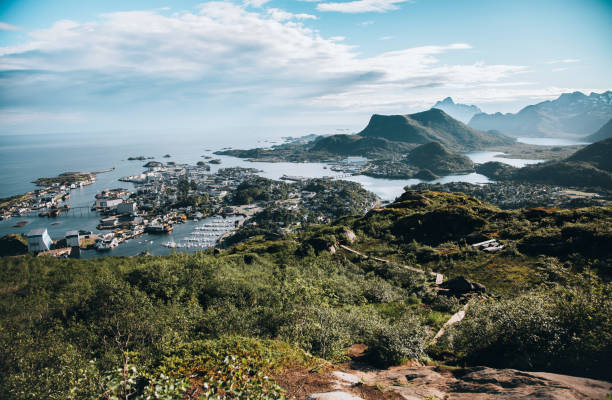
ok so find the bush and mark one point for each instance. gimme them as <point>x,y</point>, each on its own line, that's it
<point>323,331</point>
<point>394,344</point>
<point>564,329</point>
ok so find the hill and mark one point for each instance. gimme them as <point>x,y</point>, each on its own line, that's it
<point>354,145</point>
<point>602,133</point>
<point>570,114</point>
<point>429,126</point>
<point>434,157</point>
<point>589,167</point>
<point>598,154</point>
<point>259,319</point>
<point>12,245</point>
<point>461,112</point>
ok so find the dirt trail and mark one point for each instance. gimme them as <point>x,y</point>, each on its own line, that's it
<point>439,278</point>
<point>456,317</point>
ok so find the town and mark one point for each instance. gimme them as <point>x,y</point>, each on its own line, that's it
<point>514,195</point>
<point>53,192</point>
<point>237,203</point>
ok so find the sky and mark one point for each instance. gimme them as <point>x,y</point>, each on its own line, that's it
<point>296,66</point>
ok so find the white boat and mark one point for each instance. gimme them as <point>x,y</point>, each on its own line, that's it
<point>106,244</point>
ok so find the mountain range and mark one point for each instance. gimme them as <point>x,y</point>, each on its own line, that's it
<point>461,112</point>
<point>400,133</point>
<point>571,114</point>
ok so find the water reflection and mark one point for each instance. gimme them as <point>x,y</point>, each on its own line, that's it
<point>551,141</point>
<point>480,157</point>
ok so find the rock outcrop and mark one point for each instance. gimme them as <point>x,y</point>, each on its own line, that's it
<point>459,286</point>
<point>480,383</point>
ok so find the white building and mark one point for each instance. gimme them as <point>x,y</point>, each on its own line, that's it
<point>39,240</point>
<point>355,161</point>
<point>73,239</point>
<point>108,203</point>
<point>128,207</point>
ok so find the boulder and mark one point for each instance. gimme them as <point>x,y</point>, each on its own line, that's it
<point>459,286</point>
<point>349,235</point>
<point>345,378</point>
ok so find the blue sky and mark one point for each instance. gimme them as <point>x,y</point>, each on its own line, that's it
<point>302,65</point>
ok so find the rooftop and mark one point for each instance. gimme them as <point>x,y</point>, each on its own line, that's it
<point>37,232</point>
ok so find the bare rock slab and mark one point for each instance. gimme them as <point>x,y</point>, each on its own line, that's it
<point>332,396</point>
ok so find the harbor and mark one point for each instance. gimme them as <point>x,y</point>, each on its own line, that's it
<point>105,205</point>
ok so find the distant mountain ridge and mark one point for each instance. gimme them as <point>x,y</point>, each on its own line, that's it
<point>431,126</point>
<point>571,114</point>
<point>461,112</point>
<point>605,132</point>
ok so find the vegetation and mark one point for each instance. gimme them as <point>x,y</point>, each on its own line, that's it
<point>259,189</point>
<point>219,324</point>
<point>13,244</point>
<point>386,137</point>
<point>514,195</point>
<point>564,328</point>
<point>434,157</point>
<point>65,178</point>
<point>590,167</point>
<point>320,200</point>
<point>431,125</point>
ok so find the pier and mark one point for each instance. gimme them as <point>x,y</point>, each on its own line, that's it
<point>102,171</point>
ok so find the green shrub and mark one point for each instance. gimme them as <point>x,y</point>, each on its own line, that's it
<point>394,344</point>
<point>565,329</point>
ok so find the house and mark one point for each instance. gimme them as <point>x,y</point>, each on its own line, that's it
<point>108,222</point>
<point>73,239</point>
<point>354,161</point>
<point>128,207</point>
<point>39,240</point>
<point>108,203</point>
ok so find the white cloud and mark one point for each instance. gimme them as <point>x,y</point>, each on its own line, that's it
<point>282,15</point>
<point>366,23</point>
<point>255,3</point>
<point>386,37</point>
<point>559,69</point>
<point>564,61</point>
<point>361,6</point>
<point>225,56</point>
<point>8,27</point>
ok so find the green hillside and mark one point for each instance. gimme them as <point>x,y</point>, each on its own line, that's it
<point>431,125</point>
<point>590,167</point>
<point>434,157</point>
<point>224,321</point>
